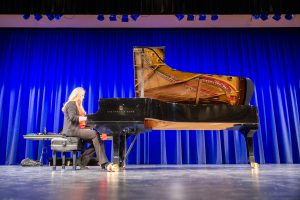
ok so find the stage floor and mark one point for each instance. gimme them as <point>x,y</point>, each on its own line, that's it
<point>152,182</point>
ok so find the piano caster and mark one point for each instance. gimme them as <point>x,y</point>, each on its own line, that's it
<point>254,165</point>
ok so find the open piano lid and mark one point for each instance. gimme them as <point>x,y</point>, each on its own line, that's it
<point>155,79</point>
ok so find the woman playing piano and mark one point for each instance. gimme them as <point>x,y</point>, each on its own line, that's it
<point>74,125</point>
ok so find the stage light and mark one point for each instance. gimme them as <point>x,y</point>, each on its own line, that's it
<point>57,16</point>
<point>100,17</point>
<point>38,17</point>
<point>112,18</point>
<point>264,17</point>
<point>277,17</point>
<point>190,17</point>
<point>255,17</point>
<point>26,16</point>
<point>124,18</point>
<point>214,17</point>
<point>135,17</point>
<point>202,17</point>
<point>50,17</point>
<point>179,16</point>
<point>288,16</point>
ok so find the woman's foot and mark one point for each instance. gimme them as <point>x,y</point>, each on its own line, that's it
<point>103,166</point>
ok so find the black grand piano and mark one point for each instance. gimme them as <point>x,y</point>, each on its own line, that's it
<point>168,99</point>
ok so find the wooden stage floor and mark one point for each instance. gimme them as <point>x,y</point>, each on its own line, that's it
<point>152,182</point>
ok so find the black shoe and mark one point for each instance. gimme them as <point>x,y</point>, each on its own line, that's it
<point>104,165</point>
<point>78,163</point>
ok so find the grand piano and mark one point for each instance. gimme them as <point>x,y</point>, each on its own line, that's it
<point>168,99</point>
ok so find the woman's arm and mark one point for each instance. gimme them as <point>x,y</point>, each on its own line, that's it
<point>72,112</point>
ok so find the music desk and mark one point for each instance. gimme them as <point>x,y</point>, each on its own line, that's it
<point>44,138</point>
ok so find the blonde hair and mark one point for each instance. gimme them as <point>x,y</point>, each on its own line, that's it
<point>73,97</point>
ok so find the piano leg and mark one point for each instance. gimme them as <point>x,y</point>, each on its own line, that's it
<point>116,155</point>
<point>130,147</point>
<point>122,150</point>
<point>248,132</point>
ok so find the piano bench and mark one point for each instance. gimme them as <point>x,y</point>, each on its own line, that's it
<point>63,145</point>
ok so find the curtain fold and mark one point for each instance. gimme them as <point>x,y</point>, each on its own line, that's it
<point>40,67</point>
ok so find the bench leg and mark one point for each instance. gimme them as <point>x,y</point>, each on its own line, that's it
<point>74,154</point>
<point>63,155</point>
<point>54,160</point>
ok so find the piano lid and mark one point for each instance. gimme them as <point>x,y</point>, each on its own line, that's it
<point>155,79</point>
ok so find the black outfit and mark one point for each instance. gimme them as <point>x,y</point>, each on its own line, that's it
<point>71,128</point>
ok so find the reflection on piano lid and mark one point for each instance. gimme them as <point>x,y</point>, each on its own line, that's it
<point>167,99</point>
<point>151,114</point>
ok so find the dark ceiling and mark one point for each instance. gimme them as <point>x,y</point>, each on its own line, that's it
<point>149,7</point>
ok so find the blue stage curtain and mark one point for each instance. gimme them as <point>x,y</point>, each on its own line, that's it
<point>40,67</point>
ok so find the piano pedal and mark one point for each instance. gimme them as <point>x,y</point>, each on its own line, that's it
<point>254,165</point>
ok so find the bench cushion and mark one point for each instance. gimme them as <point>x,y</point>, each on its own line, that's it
<point>66,144</point>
